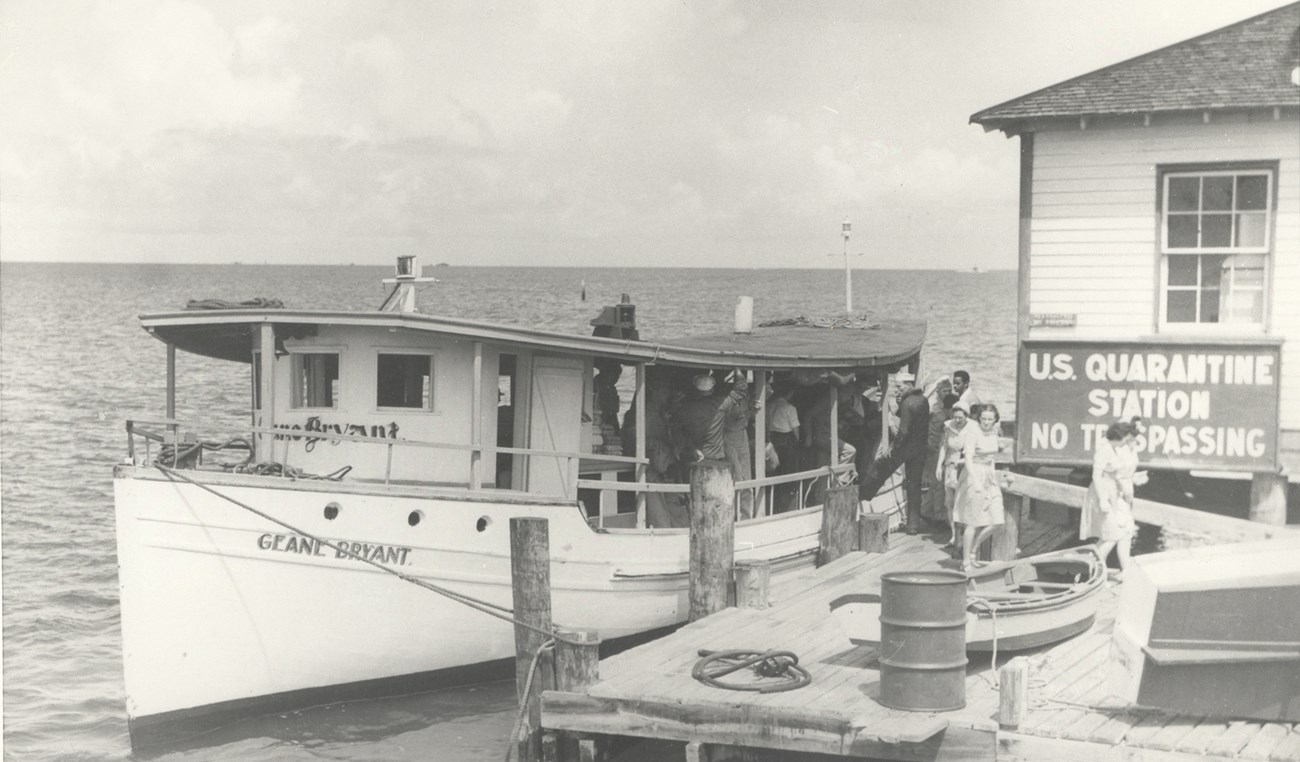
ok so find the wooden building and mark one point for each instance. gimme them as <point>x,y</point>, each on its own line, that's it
<point>1159,256</point>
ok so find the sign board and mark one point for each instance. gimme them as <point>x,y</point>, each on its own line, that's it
<point>1207,405</point>
<point>1053,319</point>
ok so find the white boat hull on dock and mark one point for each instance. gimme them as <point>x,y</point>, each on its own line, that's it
<point>225,613</point>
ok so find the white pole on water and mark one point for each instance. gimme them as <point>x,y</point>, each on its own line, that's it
<point>848,271</point>
<point>846,229</point>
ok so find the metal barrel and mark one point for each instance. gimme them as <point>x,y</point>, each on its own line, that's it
<point>923,640</point>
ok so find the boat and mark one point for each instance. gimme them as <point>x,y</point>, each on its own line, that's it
<point>249,556</point>
<point>1212,631</point>
<point>1011,606</point>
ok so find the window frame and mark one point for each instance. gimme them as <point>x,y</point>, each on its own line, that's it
<point>432,407</point>
<point>1269,169</point>
<point>293,376</point>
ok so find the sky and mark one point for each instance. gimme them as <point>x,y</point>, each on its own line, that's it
<point>584,133</point>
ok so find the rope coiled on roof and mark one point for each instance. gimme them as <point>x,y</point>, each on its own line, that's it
<point>256,303</point>
<point>860,322</point>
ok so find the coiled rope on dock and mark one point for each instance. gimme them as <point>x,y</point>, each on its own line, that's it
<point>478,604</point>
<point>771,664</point>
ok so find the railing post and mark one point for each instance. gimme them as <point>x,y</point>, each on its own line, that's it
<point>530,576</point>
<point>837,535</point>
<point>713,528</point>
<point>476,424</point>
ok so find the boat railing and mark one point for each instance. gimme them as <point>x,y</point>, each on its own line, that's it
<point>754,497</point>
<point>179,440</point>
<point>176,440</point>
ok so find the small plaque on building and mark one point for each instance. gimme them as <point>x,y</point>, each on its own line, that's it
<point>1053,320</point>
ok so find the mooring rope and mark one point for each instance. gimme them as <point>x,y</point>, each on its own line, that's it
<point>486,607</point>
<point>518,735</point>
<point>993,614</point>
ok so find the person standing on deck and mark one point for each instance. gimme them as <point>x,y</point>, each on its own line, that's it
<point>932,507</point>
<point>979,495</point>
<point>964,391</point>
<point>663,509</point>
<point>1108,507</point>
<point>735,443</point>
<point>951,456</point>
<point>908,449</point>
<point>700,421</point>
<point>783,434</point>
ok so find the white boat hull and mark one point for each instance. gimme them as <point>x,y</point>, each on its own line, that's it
<point>225,612</point>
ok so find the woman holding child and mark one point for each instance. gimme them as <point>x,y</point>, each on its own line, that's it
<point>1108,508</point>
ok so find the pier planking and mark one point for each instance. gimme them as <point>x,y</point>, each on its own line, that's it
<point>648,692</point>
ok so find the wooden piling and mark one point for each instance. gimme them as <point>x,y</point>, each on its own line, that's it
<point>713,533</point>
<point>577,659</point>
<point>1268,498</point>
<point>873,532</point>
<point>838,513</point>
<point>753,581</point>
<point>530,573</point>
<point>1013,693</point>
<point>1006,539</point>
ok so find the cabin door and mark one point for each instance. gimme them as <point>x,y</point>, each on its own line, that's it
<point>555,423</point>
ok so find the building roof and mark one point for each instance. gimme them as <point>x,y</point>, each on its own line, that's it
<point>1248,64</point>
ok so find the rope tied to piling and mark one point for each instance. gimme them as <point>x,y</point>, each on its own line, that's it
<point>478,604</point>
<point>765,664</point>
<point>519,736</point>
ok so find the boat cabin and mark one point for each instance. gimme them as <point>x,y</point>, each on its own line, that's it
<point>398,397</point>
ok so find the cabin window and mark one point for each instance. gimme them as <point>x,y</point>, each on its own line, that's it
<point>1215,238</point>
<point>405,381</point>
<point>315,379</point>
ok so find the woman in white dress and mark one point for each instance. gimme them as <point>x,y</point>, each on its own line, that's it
<point>1108,508</point>
<point>950,461</point>
<point>979,495</point>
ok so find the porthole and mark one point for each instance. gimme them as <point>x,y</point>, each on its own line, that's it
<point>332,511</point>
<point>483,523</point>
<point>414,517</point>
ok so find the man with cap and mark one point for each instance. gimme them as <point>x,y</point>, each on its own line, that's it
<point>908,449</point>
<point>701,418</point>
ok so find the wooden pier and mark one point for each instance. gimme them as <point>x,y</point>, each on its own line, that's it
<point>1063,712</point>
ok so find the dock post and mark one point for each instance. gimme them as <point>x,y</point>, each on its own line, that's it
<point>838,511</point>
<point>1268,498</point>
<point>530,576</point>
<point>873,532</point>
<point>752,584</point>
<point>1006,540</point>
<point>1013,693</point>
<point>713,537</point>
<point>577,666</point>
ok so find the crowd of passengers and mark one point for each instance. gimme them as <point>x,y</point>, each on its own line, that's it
<point>941,436</point>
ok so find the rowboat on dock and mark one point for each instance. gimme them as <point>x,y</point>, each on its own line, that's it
<point>1212,631</point>
<point>257,562</point>
<point>1011,606</point>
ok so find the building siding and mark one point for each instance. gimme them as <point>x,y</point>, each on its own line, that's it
<point>1094,249</point>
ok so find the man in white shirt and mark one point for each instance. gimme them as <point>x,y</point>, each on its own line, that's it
<point>962,388</point>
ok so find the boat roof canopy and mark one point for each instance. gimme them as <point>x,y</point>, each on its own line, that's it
<point>230,334</point>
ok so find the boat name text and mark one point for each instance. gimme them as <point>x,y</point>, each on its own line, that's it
<point>308,546</point>
<point>314,424</point>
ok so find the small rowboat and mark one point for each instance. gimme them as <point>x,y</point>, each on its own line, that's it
<point>1011,606</point>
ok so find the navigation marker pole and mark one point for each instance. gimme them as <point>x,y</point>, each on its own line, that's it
<point>846,229</point>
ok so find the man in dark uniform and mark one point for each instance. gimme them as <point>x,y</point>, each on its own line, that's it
<point>700,419</point>
<point>908,449</point>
